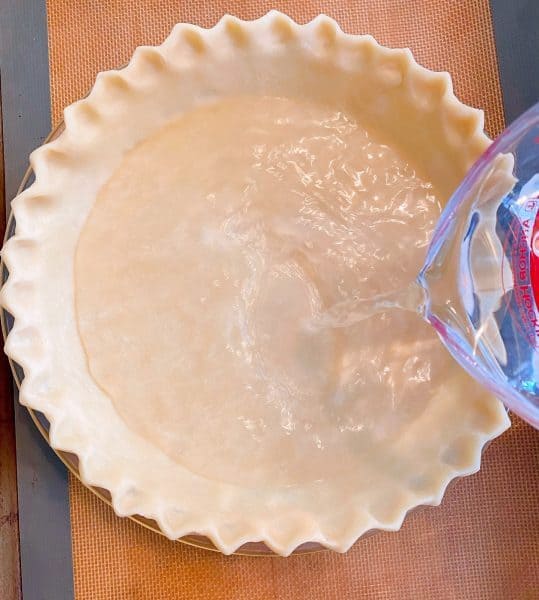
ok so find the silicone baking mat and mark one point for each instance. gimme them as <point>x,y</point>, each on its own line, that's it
<point>483,543</point>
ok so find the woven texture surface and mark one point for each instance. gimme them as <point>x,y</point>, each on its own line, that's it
<point>483,543</point>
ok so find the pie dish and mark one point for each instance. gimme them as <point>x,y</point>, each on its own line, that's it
<point>162,269</point>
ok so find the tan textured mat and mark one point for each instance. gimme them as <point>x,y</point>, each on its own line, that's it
<point>483,543</point>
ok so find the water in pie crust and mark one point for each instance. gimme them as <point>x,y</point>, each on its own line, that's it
<point>225,237</point>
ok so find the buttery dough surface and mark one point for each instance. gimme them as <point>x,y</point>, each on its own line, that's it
<point>202,262</point>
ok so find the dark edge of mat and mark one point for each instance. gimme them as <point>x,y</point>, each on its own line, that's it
<point>42,481</point>
<point>516,33</point>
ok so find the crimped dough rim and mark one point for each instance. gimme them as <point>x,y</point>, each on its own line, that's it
<point>39,302</point>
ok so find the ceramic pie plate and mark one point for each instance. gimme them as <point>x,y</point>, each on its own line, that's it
<point>235,500</point>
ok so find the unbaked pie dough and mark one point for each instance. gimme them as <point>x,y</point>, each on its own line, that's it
<point>202,208</point>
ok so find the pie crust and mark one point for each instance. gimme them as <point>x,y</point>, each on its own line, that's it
<point>272,56</point>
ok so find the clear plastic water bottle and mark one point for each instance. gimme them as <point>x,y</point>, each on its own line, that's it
<point>481,275</point>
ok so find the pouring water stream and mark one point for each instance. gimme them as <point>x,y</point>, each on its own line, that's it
<point>479,286</point>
